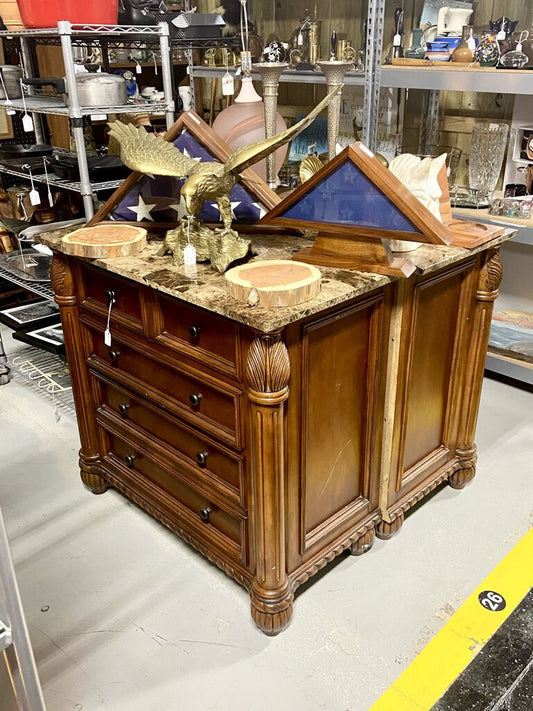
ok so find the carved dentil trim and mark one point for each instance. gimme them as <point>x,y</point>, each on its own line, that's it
<point>490,277</point>
<point>316,565</point>
<point>268,366</point>
<point>226,567</point>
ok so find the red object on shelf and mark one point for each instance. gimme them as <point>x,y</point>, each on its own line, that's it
<point>47,13</point>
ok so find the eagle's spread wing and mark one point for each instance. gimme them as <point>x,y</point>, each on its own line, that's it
<point>148,153</point>
<point>250,154</point>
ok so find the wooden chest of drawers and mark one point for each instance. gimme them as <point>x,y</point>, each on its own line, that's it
<point>272,450</point>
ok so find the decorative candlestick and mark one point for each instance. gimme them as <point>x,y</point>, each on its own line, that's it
<point>270,73</point>
<point>334,70</point>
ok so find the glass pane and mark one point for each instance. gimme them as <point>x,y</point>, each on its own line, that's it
<point>157,198</point>
<point>347,197</point>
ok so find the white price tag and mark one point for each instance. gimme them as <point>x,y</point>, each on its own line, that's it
<point>138,69</point>
<point>501,35</point>
<point>397,41</point>
<point>228,85</point>
<point>98,117</point>
<point>34,197</point>
<point>107,338</point>
<point>10,112</point>
<point>27,123</point>
<point>189,255</point>
<point>471,42</point>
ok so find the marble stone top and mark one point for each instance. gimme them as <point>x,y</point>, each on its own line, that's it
<point>206,288</point>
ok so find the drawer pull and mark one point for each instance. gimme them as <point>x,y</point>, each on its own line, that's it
<point>114,355</point>
<point>194,399</point>
<point>110,296</point>
<point>201,458</point>
<point>194,331</point>
<point>129,459</point>
<point>204,514</point>
<point>123,409</point>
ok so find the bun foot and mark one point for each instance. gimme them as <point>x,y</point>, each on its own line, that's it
<point>89,473</point>
<point>386,530</point>
<point>363,544</point>
<point>270,615</point>
<point>462,477</point>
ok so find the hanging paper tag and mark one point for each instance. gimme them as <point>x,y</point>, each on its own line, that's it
<point>107,332</point>
<point>501,35</point>
<point>471,43</point>
<point>189,255</point>
<point>228,85</point>
<point>27,123</point>
<point>10,112</point>
<point>34,197</point>
<point>397,41</point>
<point>300,40</point>
<point>138,69</point>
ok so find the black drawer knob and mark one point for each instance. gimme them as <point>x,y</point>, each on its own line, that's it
<point>201,458</point>
<point>110,296</point>
<point>194,399</point>
<point>129,459</point>
<point>114,356</point>
<point>123,409</point>
<point>194,331</point>
<point>204,514</point>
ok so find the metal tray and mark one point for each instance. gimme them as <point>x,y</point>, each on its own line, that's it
<point>27,264</point>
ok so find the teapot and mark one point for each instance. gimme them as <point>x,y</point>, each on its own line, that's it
<point>450,20</point>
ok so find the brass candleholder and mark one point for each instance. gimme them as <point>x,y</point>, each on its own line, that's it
<point>334,70</point>
<point>270,73</point>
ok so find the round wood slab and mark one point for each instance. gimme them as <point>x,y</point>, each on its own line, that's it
<point>105,240</point>
<point>277,282</point>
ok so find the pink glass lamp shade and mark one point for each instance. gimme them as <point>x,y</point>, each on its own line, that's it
<point>244,122</point>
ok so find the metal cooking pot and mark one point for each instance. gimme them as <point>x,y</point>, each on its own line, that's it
<point>11,77</point>
<point>93,88</point>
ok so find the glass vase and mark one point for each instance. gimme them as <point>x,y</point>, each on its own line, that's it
<point>487,148</point>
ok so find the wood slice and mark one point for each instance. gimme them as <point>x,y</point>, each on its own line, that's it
<point>277,282</point>
<point>106,240</point>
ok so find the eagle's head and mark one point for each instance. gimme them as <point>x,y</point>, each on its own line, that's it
<point>197,189</point>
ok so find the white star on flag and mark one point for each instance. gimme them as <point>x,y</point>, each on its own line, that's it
<point>179,207</point>
<point>186,153</point>
<point>142,210</point>
<point>234,205</point>
<point>261,209</point>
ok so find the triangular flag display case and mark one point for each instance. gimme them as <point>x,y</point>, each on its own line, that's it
<point>355,202</point>
<point>153,202</point>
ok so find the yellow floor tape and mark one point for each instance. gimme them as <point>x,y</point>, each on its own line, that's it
<point>423,683</point>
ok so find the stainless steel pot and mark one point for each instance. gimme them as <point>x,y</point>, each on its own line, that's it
<point>10,83</point>
<point>94,89</point>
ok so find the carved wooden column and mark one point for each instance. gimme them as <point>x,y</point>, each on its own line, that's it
<point>65,296</point>
<point>267,373</point>
<point>489,280</point>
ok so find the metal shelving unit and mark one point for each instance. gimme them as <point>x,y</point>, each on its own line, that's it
<point>67,36</point>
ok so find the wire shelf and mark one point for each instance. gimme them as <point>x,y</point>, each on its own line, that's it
<point>74,186</point>
<point>47,375</point>
<point>40,288</point>
<point>44,104</point>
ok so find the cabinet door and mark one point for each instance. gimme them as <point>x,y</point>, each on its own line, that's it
<point>336,391</point>
<point>436,315</point>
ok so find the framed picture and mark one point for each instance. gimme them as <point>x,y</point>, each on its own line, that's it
<point>154,202</point>
<point>48,338</point>
<point>33,313</point>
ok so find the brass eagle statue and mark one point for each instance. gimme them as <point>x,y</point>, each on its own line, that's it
<point>205,180</point>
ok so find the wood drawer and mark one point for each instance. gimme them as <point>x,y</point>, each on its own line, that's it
<point>198,334</point>
<point>203,458</point>
<point>99,285</point>
<point>197,513</point>
<point>197,398</point>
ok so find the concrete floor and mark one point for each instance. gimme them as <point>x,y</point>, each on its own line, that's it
<point>124,616</point>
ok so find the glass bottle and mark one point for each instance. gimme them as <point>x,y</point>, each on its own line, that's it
<point>463,53</point>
